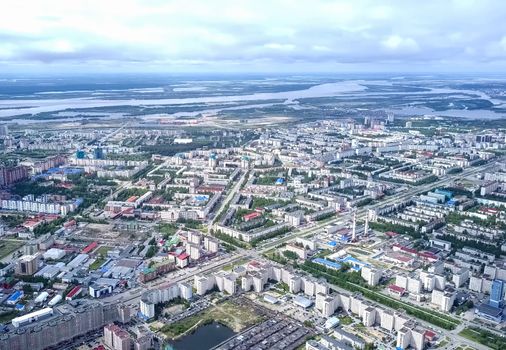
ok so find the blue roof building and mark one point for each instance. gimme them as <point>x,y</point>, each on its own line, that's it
<point>15,297</point>
<point>328,263</point>
<point>489,312</point>
<point>354,262</point>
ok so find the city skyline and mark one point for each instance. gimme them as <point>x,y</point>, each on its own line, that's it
<point>278,175</point>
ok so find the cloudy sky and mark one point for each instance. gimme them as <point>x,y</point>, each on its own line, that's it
<point>255,35</point>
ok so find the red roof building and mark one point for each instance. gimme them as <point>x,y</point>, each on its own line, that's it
<point>251,216</point>
<point>429,335</point>
<point>183,256</point>
<point>397,247</point>
<point>74,293</point>
<point>396,290</point>
<point>89,247</point>
<point>428,256</point>
<point>488,211</point>
<point>254,265</point>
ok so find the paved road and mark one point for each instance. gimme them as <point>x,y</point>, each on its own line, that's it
<point>133,296</point>
<point>361,211</point>
<point>229,197</point>
<point>242,253</point>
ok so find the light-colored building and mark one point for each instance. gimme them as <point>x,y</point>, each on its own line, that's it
<point>411,336</point>
<point>439,282</point>
<point>443,299</point>
<point>414,285</point>
<point>461,277</point>
<point>211,244</point>
<point>147,308</point>
<point>476,284</point>
<point>401,281</point>
<point>299,250</point>
<point>371,275</point>
<point>428,281</point>
<point>203,283</point>
<point>162,294</point>
<point>194,237</point>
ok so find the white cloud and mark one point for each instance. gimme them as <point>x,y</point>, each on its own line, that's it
<point>221,33</point>
<point>396,42</point>
<point>282,47</point>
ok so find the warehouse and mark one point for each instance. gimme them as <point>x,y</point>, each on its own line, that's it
<point>31,317</point>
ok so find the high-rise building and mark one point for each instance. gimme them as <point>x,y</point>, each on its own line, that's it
<point>8,176</point>
<point>27,265</point>
<point>125,314</point>
<point>496,293</point>
<point>69,321</point>
<point>116,338</point>
<point>371,275</point>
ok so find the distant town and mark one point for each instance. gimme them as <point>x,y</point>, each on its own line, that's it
<point>375,231</point>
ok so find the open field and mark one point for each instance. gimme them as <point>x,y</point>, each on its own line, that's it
<point>9,246</point>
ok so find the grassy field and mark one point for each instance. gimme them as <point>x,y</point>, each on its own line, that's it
<point>103,250</point>
<point>8,316</point>
<point>232,315</point>
<point>484,337</point>
<point>229,267</point>
<point>345,320</point>
<point>9,246</point>
<point>96,264</point>
<point>168,229</point>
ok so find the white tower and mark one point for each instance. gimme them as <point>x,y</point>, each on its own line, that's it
<point>366,225</point>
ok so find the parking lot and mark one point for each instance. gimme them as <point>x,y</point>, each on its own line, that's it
<point>272,334</point>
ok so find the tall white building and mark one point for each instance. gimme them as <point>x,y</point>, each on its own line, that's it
<point>371,275</point>
<point>414,285</point>
<point>443,299</point>
<point>163,294</point>
<point>461,277</point>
